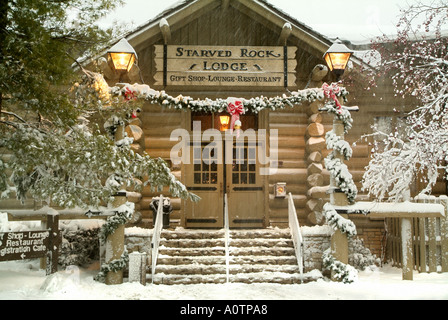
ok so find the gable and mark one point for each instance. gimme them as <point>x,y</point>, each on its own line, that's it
<point>229,23</point>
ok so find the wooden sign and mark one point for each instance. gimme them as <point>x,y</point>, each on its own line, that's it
<point>225,66</point>
<point>23,245</point>
<point>33,244</point>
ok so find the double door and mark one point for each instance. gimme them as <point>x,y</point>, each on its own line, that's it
<point>237,175</point>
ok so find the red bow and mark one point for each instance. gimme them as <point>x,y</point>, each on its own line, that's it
<point>235,109</point>
<point>330,91</point>
<point>129,95</point>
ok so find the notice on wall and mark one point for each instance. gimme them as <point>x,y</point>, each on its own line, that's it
<point>225,66</point>
<point>23,245</point>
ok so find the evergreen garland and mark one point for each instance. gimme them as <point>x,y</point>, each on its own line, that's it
<point>336,143</point>
<point>254,105</point>
<point>113,266</point>
<point>342,176</point>
<point>344,181</point>
<point>122,215</point>
<point>333,164</point>
<point>341,271</point>
<point>336,221</point>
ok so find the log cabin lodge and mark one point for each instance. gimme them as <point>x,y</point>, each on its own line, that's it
<point>247,49</point>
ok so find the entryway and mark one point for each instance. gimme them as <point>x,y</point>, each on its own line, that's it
<point>237,174</point>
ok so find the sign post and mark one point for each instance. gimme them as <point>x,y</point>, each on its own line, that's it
<point>33,244</point>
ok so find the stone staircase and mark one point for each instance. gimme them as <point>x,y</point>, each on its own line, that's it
<point>198,256</point>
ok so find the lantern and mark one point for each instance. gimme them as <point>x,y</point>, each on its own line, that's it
<point>122,56</point>
<point>224,121</point>
<point>337,57</point>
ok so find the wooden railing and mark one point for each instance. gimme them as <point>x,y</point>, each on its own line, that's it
<point>429,239</point>
<point>295,233</point>
<point>227,237</point>
<point>156,237</point>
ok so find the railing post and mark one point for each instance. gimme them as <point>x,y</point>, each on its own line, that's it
<point>227,236</point>
<point>137,267</point>
<point>406,245</point>
<point>295,233</point>
<point>156,237</point>
<point>444,234</point>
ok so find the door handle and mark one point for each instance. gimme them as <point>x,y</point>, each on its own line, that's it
<point>220,187</point>
<point>228,189</point>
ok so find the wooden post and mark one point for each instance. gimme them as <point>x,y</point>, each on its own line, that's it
<point>339,240</point>
<point>137,267</point>
<point>53,244</point>
<point>115,241</point>
<point>115,245</point>
<point>406,245</point>
<point>444,235</point>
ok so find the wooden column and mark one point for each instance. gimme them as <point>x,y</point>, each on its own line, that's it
<point>115,246</point>
<point>115,241</point>
<point>339,241</point>
<point>315,144</point>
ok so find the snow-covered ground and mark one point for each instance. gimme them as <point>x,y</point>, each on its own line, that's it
<point>23,280</point>
<point>20,280</point>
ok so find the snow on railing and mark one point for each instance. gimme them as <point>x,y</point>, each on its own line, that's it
<point>156,237</point>
<point>429,236</point>
<point>227,236</point>
<point>295,233</point>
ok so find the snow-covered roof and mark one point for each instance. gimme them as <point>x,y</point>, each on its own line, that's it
<point>317,41</point>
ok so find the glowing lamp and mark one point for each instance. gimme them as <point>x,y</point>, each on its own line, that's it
<point>224,121</point>
<point>337,57</point>
<point>122,56</point>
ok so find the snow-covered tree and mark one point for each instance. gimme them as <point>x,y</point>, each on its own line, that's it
<point>54,152</point>
<point>417,62</point>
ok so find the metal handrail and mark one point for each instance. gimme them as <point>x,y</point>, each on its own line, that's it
<point>155,241</point>
<point>296,234</point>
<point>227,236</point>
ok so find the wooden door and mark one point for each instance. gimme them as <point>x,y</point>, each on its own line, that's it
<point>245,188</point>
<point>204,177</point>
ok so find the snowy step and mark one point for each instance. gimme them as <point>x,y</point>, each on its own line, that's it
<point>220,251</point>
<point>191,279</point>
<point>253,268</point>
<point>277,242</point>
<point>184,234</point>
<point>208,251</point>
<point>261,251</point>
<point>242,259</point>
<point>198,256</point>
<point>263,234</point>
<point>192,243</point>
<point>182,260</point>
<point>267,277</point>
<point>266,260</point>
<point>192,269</point>
<point>255,277</point>
<point>249,242</point>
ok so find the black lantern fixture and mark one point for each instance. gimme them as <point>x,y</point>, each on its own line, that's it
<point>122,56</point>
<point>337,57</point>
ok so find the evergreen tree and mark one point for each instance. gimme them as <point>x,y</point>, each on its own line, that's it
<point>55,153</point>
